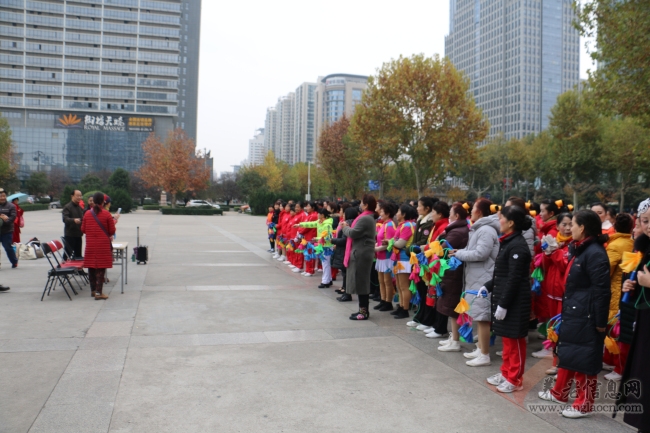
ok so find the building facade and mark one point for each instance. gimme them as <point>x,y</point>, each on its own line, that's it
<point>188,70</point>
<point>257,148</point>
<point>304,121</point>
<point>83,83</point>
<point>337,94</point>
<point>519,56</point>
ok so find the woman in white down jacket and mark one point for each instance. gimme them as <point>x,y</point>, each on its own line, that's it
<point>478,258</point>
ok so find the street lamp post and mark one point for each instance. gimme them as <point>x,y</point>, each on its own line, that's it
<point>308,195</point>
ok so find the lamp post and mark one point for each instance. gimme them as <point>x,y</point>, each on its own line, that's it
<point>39,154</point>
<point>308,195</point>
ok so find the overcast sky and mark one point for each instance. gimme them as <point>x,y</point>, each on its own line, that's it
<point>252,52</point>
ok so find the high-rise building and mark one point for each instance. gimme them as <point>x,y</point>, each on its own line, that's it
<point>84,82</point>
<point>271,127</point>
<point>188,71</point>
<point>337,94</point>
<point>256,148</point>
<point>519,56</point>
<point>304,124</point>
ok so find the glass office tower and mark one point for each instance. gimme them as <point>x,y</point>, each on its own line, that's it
<point>84,82</point>
<point>520,55</point>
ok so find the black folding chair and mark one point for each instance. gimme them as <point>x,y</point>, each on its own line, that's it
<point>56,274</point>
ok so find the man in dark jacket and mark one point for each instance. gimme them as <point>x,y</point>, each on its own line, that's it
<point>72,216</point>
<point>8,216</point>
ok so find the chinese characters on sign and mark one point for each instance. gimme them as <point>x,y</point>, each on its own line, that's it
<point>105,123</point>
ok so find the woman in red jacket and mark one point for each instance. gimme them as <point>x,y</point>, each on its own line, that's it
<point>555,261</point>
<point>309,234</point>
<point>99,226</point>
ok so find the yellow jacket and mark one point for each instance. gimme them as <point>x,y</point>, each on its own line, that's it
<point>617,245</point>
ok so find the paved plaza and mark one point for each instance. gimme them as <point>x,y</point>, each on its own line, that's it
<point>212,335</point>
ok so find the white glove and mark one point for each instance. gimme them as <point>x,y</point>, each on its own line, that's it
<point>482,292</point>
<point>551,243</point>
<point>500,314</point>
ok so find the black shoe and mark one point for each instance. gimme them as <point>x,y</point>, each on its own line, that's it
<point>325,286</point>
<point>363,314</point>
<point>378,306</point>
<point>403,314</point>
<point>340,291</point>
<point>344,298</point>
<point>388,306</point>
<point>375,297</point>
<point>4,288</point>
<point>399,308</point>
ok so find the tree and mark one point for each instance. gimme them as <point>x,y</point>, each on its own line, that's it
<point>420,108</point>
<point>38,183</point>
<point>621,29</point>
<point>228,187</point>
<point>7,162</point>
<point>271,171</point>
<point>58,178</point>
<point>341,158</point>
<point>120,199</point>
<point>625,154</point>
<point>91,182</point>
<point>573,151</point>
<point>250,180</point>
<point>175,166</point>
<point>120,179</point>
<point>66,195</point>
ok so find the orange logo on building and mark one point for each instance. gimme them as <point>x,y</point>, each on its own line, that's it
<point>69,120</point>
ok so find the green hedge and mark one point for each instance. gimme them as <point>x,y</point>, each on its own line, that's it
<point>153,207</point>
<point>191,211</point>
<point>30,207</point>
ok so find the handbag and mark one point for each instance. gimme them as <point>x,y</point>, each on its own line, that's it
<point>21,222</point>
<point>26,252</point>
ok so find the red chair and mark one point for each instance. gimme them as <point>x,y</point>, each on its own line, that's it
<point>56,274</point>
<point>78,265</point>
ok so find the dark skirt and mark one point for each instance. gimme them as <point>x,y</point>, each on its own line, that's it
<point>636,369</point>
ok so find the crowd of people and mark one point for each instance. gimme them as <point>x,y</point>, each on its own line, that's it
<point>576,278</point>
<point>93,220</point>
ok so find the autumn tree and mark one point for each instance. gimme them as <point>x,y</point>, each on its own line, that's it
<point>341,157</point>
<point>625,154</point>
<point>420,108</point>
<point>58,178</point>
<point>621,82</point>
<point>575,145</point>
<point>175,165</point>
<point>271,170</point>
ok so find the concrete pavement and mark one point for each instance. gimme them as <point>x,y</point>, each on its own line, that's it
<point>214,336</point>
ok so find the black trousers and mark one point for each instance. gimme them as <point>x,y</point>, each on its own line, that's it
<point>73,246</point>
<point>374,281</point>
<point>364,301</point>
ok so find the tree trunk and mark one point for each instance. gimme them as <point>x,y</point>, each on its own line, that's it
<point>418,187</point>
<point>622,200</point>
<point>575,199</point>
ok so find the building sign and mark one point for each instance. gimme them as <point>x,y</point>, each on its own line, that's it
<point>104,123</point>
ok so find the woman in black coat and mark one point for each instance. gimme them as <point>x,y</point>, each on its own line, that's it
<point>510,288</point>
<point>585,310</point>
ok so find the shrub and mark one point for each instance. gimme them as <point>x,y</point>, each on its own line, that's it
<point>44,200</point>
<point>66,195</point>
<point>261,200</point>
<point>120,199</point>
<point>30,207</point>
<point>149,200</point>
<point>87,195</point>
<point>151,207</point>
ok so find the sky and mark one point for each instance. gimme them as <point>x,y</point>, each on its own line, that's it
<point>253,52</point>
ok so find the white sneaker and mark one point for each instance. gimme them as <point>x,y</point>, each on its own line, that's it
<point>275,256</point>
<point>292,266</point>
<point>546,395</point>
<point>574,413</point>
<point>320,270</point>
<point>544,353</point>
<point>296,270</point>
<point>446,341</point>
<point>507,387</point>
<point>434,334</point>
<point>451,346</point>
<point>424,328</point>
<point>307,274</point>
<point>480,361</point>
<point>286,262</point>
<point>608,367</point>
<point>281,259</point>
<point>412,324</point>
<point>613,376</point>
<point>496,380</point>
<point>499,353</point>
<point>473,354</point>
